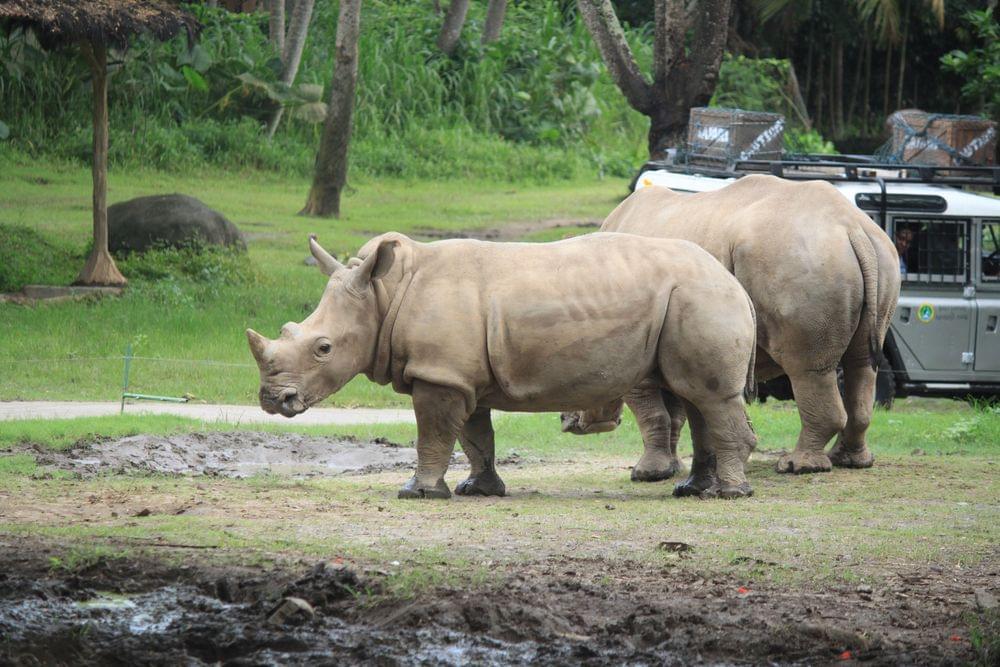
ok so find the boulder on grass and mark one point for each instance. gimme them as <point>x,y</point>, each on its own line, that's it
<point>168,220</point>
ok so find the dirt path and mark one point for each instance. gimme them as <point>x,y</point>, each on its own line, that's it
<point>233,414</point>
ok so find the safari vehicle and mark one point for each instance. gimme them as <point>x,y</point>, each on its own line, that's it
<point>944,339</point>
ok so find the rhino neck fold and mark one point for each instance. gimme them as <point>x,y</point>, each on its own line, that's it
<point>389,301</point>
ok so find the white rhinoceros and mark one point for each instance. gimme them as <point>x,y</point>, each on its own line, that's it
<point>824,280</point>
<point>465,326</point>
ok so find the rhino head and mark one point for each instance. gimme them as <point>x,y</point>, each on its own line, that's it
<point>596,420</point>
<point>316,357</point>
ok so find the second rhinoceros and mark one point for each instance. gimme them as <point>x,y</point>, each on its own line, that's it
<point>824,280</point>
<point>465,326</point>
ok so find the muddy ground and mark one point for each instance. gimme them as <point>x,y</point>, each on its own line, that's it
<point>143,611</point>
<point>110,565</point>
<point>228,454</point>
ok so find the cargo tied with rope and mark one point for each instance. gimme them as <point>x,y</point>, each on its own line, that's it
<point>945,140</point>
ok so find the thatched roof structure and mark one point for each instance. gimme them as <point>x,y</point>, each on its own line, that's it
<point>93,26</point>
<point>100,22</point>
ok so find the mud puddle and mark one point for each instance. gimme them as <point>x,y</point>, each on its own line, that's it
<point>232,621</point>
<point>231,454</point>
<point>138,612</point>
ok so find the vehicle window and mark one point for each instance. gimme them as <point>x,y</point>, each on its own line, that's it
<point>931,250</point>
<point>990,249</point>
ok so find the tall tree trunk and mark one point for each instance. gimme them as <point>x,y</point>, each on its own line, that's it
<point>298,29</point>
<point>886,82</point>
<point>451,29</point>
<point>902,55</point>
<point>809,63</point>
<point>858,82</point>
<point>494,20</point>
<point>818,99</point>
<point>682,77</point>
<point>100,268</point>
<point>838,85</point>
<point>798,102</point>
<point>866,106</point>
<point>331,160</point>
<point>276,26</point>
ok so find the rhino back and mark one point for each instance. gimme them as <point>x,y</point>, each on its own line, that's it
<point>569,320</point>
<point>787,242</point>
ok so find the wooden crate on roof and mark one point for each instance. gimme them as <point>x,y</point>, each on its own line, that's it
<point>719,137</point>
<point>944,140</point>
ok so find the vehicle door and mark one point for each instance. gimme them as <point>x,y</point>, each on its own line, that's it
<point>935,319</point>
<point>988,296</point>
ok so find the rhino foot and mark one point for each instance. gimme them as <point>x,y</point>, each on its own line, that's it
<point>728,491</point>
<point>654,473</point>
<point>695,485</point>
<point>486,483</point>
<point>842,457</point>
<point>800,462</point>
<point>414,489</point>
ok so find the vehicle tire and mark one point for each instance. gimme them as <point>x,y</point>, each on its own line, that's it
<point>885,386</point>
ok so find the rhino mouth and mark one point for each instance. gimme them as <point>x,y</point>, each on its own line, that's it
<point>291,407</point>
<point>288,403</point>
<point>572,422</point>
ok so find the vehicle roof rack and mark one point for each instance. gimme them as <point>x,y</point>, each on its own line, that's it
<point>842,168</point>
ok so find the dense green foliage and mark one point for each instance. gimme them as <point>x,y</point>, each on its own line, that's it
<point>980,66</point>
<point>537,104</point>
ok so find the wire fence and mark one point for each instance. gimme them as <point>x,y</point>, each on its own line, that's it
<point>121,359</point>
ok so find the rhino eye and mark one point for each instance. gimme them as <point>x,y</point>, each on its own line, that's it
<point>325,348</point>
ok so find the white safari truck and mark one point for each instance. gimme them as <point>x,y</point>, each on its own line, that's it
<point>945,334</point>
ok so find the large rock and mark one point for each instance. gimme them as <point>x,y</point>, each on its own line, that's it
<point>168,220</point>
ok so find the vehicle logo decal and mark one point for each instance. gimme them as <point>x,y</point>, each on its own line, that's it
<point>925,313</point>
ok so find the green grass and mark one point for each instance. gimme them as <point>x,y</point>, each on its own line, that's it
<point>915,428</point>
<point>72,351</point>
<point>570,497</point>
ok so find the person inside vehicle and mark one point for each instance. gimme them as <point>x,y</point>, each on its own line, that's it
<point>904,237</point>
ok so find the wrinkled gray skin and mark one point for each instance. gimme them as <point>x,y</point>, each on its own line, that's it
<point>465,326</point>
<point>824,280</point>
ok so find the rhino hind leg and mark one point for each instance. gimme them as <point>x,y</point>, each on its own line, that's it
<point>851,450</point>
<point>654,412</point>
<point>723,441</point>
<point>822,413</point>
<point>478,443</point>
<point>440,413</point>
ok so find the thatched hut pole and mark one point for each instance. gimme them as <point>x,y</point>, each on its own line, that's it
<point>100,268</point>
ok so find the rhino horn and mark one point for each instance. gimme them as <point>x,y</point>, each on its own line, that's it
<point>257,345</point>
<point>327,262</point>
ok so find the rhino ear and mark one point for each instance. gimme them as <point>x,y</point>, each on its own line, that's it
<point>326,262</point>
<point>376,264</point>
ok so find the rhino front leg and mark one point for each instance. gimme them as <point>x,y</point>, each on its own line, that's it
<point>660,431</point>
<point>479,445</point>
<point>440,413</point>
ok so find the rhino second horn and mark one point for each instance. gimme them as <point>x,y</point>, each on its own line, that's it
<point>327,262</point>
<point>257,345</point>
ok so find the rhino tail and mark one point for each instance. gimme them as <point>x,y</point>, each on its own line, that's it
<point>750,392</point>
<point>868,262</point>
